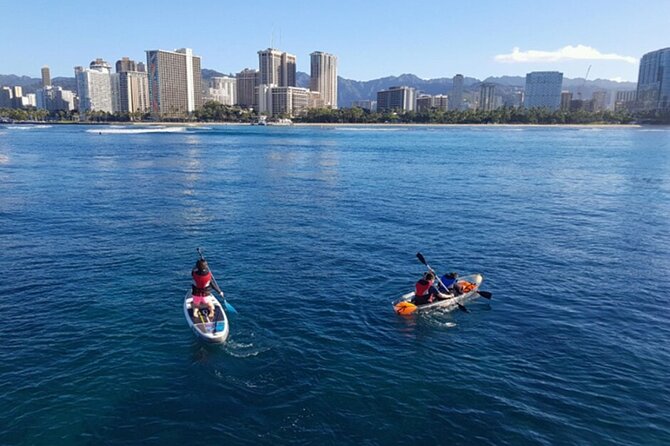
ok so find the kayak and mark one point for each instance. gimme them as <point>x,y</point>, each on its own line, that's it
<point>469,284</point>
<point>204,326</point>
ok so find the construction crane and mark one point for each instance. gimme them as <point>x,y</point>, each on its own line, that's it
<point>579,93</point>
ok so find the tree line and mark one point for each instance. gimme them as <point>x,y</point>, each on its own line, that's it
<point>213,111</point>
<point>505,115</point>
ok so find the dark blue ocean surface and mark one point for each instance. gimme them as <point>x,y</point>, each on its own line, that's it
<point>312,233</point>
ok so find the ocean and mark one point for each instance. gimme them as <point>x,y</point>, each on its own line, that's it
<point>312,232</point>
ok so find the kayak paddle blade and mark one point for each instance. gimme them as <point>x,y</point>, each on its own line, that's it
<point>421,258</point>
<point>485,294</point>
<point>229,307</point>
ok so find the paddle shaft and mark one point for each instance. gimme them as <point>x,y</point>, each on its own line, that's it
<point>216,285</point>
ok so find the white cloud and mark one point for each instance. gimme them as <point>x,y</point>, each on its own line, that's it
<point>618,79</point>
<point>579,52</point>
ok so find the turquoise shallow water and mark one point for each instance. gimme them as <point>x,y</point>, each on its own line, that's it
<point>312,233</point>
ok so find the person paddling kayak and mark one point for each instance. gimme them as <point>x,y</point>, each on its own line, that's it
<point>425,291</point>
<point>448,284</point>
<point>202,288</point>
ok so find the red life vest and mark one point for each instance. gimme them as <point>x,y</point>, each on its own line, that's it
<point>201,282</point>
<point>422,286</point>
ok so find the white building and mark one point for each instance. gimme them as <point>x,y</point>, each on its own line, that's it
<point>55,98</point>
<point>95,87</point>
<point>274,100</point>
<point>223,89</point>
<point>543,90</point>
<point>28,100</point>
<point>399,99</point>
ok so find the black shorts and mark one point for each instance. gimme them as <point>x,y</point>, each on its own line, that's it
<point>421,300</point>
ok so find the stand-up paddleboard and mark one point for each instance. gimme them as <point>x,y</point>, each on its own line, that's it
<point>209,328</point>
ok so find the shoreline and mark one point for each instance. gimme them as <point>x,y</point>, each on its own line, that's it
<point>324,124</point>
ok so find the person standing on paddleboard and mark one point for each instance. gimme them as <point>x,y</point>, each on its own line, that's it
<point>202,288</point>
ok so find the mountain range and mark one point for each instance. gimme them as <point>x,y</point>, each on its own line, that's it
<point>350,90</point>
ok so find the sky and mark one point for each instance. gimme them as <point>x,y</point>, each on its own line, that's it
<point>371,38</point>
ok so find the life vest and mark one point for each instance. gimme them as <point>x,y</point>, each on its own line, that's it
<point>466,287</point>
<point>422,286</point>
<point>201,282</point>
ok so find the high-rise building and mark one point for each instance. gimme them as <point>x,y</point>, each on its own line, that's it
<point>653,81</point>
<point>55,98</point>
<point>17,91</point>
<point>566,98</point>
<point>289,100</point>
<point>625,100</point>
<point>46,77</point>
<point>456,95</point>
<point>441,102</point>
<point>132,85</point>
<point>277,68</point>
<point>174,81</point>
<point>323,78</point>
<point>400,99</point>
<point>133,91</point>
<point>487,97</point>
<point>16,97</point>
<point>6,96</point>
<point>94,87</point>
<point>247,81</point>
<point>427,102</point>
<point>263,100</point>
<point>125,64</point>
<point>223,90</point>
<point>599,101</point>
<point>28,100</point>
<point>543,90</point>
<point>273,100</point>
<point>424,103</point>
<point>288,70</point>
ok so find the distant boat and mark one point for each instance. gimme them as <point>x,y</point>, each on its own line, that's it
<point>262,120</point>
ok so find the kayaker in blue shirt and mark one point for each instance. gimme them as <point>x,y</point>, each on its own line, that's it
<point>449,282</point>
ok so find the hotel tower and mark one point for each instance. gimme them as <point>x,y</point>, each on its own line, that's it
<point>276,68</point>
<point>324,77</point>
<point>174,81</point>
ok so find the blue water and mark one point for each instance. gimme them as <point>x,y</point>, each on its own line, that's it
<point>312,232</point>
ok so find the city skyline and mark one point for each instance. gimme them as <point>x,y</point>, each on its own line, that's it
<point>567,37</point>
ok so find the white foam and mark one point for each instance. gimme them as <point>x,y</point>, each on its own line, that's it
<point>28,127</point>
<point>367,129</point>
<point>130,131</point>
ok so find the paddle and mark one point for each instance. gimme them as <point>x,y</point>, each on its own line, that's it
<point>225,303</point>
<point>484,294</point>
<point>423,260</point>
